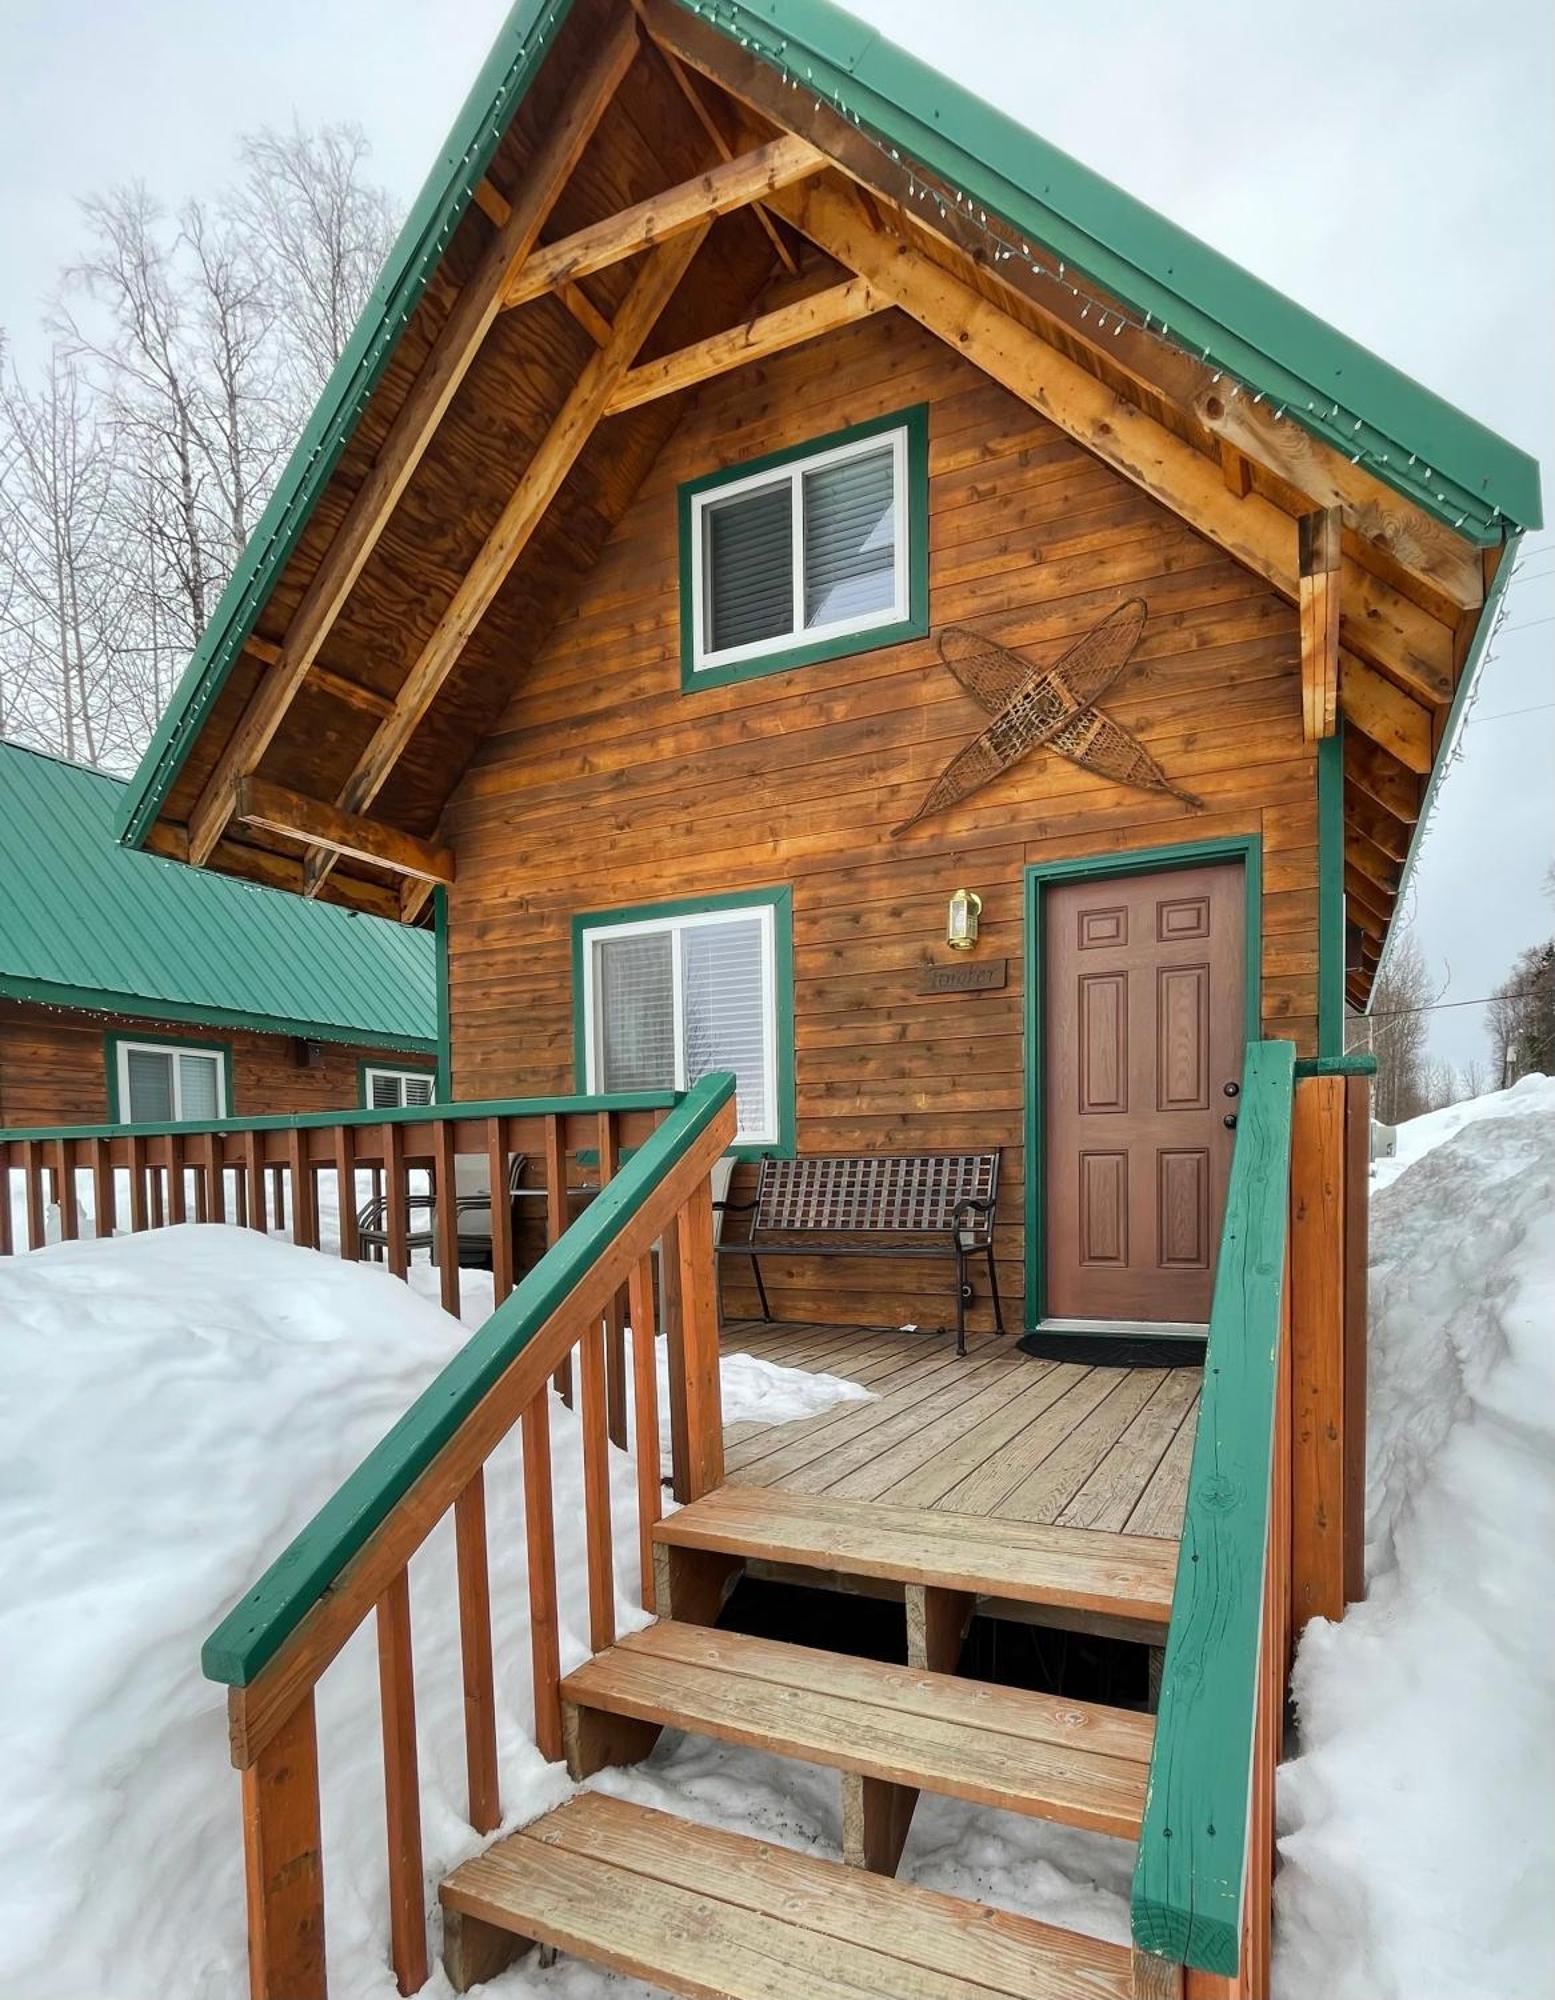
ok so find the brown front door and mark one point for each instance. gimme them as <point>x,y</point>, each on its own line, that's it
<point>1145,1002</point>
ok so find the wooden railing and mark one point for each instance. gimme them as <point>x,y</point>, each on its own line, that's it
<point>351,1560</point>
<point>1203,1879</point>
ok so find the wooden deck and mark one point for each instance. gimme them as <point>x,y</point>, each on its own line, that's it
<point>995,1434</point>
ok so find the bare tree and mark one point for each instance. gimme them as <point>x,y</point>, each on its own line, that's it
<point>1521,1017</point>
<point>1394,1031</point>
<point>1471,1080</point>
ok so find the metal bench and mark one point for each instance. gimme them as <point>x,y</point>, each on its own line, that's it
<point>372,1222</point>
<point>875,1205</point>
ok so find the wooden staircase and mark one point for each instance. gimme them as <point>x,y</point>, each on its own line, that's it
<point>702,1912</point>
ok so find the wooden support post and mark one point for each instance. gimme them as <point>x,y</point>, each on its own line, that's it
<point>475,1951</point>
<point>692,1585</point>
<point>1319,561</point>
<point>345,1190</point>
<point>1155,1978</point>
<point>876,1818</point>
<point>402,1788</point>
<point>1317,1267</point>
<point>595,1738</point>
<point>540,1546</point>
<point>283,1864</point>
<point>445,1210</point>
<point>696,1387</point>
<point>936,1626</point>
<point>480,1701</point>
<point>1357,1200</point>
<point>615,1311</point>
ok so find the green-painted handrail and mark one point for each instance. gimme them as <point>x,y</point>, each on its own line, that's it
<point>1190,1879</point>
<point>406,1114</point>
<point>255,1628</point>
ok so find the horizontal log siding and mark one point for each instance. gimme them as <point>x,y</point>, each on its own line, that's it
<point>604,786</point>
<point>53,1070</point>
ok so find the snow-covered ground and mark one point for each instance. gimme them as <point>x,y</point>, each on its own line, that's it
<point>1419,1817</point>
<point>177,1403</point>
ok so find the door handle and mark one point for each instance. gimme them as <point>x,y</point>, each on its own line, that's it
<point>1231,1089</point>
<point>1229,1121</point>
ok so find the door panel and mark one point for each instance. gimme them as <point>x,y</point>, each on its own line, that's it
<point>1144,999</point>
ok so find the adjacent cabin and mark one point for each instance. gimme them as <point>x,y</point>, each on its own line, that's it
<point>911,688</point>
<point>135,992</point>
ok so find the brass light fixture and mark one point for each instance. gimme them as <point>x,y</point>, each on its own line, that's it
<point>966,906</point>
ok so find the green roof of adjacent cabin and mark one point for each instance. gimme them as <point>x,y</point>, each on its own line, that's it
<point>86,923</point>
<point>1448,463</point>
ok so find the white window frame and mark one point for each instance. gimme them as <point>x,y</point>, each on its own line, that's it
<point>370,1070</point>
<point>174,1049</point>
<point>677,926</point>
<point>792,474</point>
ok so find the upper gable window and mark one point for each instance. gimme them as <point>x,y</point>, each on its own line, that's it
<point>806,555</point>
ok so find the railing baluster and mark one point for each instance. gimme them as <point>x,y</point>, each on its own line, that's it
<point>177,1192</point>
<point>445,1210</point>
<point>137,1183</point>
<point>65,1191</point>
<point>396,1189</point>
<point>540,1547</point>
<point>699,1346</point>
<point>501,1209</point>
<point>402,1788</point>
<point>645,1425</point>
<point>615,1313</point>
<point>345,1191</point>
<point>675,1348</point>
<point>596,1488</point>
<point>556,1228</point>
<point>480,1705</point>
<point>254,1182</point>
<point>6,1245</point>
<point>154,1190</point>
<point>215,1185</point>
<point>278,1195</point>
<point>104,1200</point>
<point>304,1221</point>
<point>37,1208</point>
<point>283,1863</point>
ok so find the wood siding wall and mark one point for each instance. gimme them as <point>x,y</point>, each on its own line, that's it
<point>53,1069</point>
<point>603,785</point>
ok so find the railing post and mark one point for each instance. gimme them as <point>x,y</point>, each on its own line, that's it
<point>254,1182</point>
<point>480,1708</point>
<point>501,1210</point>
<point>6,1245</point>
<point>395,1188</point>
<point>556,1227</point>
<point>540,1548</point>
<point>304,1223</point>
<point>345,1190</point>
<point>615,1312</point>
<point>1357,1201</point>
<point>445,1213</point>
<point>402,1788</point>
<point>283,1865</point>
<point>1317,1296</point>
<point>65,1192</point>
<point>696,1383</point>
<point>177,1193</point>
<point>645,1428</point>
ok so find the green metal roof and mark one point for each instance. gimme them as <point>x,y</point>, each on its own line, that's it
<point>85,923</point>
<point>1448,463</point>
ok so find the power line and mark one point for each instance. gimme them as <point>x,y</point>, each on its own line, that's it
<point>1506,714</point>
<point>1441,1006</point>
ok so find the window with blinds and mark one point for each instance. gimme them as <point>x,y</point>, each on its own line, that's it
<point>668,999</point>
<point>167,1085</point>
<point>811,551</point>
<point>392,1089</point>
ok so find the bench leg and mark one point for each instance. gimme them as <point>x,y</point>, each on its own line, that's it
<point>993,1285</point>
<point>761,1290</point>
<point>960,1300</point>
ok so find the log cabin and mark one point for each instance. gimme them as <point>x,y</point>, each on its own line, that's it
<point>133,991</point>
<point>908,680</point>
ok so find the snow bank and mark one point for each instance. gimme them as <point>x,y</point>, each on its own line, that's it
<point>177,1404</point>
<point>1419,1831</point>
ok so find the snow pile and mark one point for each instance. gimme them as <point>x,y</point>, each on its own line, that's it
<point>177,1404</point>
<point>1419,1842</point>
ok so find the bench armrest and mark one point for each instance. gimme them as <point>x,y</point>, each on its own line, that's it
<point>972,1223</point>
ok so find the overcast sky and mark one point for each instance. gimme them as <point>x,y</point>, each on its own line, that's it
<point>1392,166</point>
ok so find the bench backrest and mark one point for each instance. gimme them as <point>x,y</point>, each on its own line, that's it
<point>870,1192</point>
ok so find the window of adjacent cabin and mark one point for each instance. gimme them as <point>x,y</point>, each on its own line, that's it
<point>393,1089</point>
<point>809,557</point>
<point>170,1085</point>
<point>667,998</point>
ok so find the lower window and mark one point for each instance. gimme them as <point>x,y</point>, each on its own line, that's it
<point>392,1089</point>
<point>163,1084</point>
<point>669,994</point>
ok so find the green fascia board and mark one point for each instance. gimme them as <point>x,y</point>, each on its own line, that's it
<point>407,1114</point>
<point>1190,1877</point>
<point>498,90</point>
<point>257,1626</point>
<point>804,652</point>
<point>1456,468</point>
<point>781,901</point>
<point>135,1007</point>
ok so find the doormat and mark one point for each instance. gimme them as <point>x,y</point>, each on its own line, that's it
<point>1116,1350</point>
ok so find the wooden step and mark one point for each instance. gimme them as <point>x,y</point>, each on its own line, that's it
<point>902,1727</point>
<point>1095,1575</point>
<point>700,1912</point>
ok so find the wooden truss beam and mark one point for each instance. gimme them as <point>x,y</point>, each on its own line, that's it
<point>1372,704</point>
<point>411,432</point>
<point>1389,835</point>
<point>764,171</point>
<point>280,810</point>
<point>1379,774</point>
<point>767,334</point>
<point>1320,559</point>
<point>1276,443</point>
<point>553,459</point>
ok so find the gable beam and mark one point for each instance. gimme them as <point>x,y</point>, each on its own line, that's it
<point>1376,620</point>
<point>412,430</point>
<point>769,333</point>
<point>279,810</point>
<point>553,459</point>
<point>766,170</point>
<point>1429,550</point>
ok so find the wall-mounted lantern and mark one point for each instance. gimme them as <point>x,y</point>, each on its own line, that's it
<point>966,906</point>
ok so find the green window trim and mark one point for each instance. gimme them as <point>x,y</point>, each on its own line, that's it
<point>781,903</point>
<point>1244,848</point>
<point>113,1043</point>
<point>366,1065</point>
<point>804,652</point>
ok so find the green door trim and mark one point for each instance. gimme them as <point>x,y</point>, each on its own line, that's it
<point>1244,848</point>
